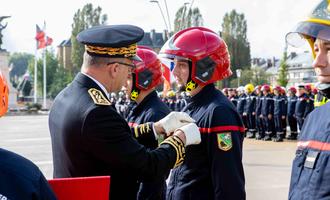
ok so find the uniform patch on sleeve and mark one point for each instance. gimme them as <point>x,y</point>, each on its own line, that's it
<point>224,141</point>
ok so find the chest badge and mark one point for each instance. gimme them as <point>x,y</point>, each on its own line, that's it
<point>224,141</point>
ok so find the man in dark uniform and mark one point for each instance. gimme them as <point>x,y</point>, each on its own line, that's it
<point>310,176</point>
<point>250,110</point>
<point>90,138</point>
<point>292,100</point>
<point>279,114</point>
<point>19,177</point>
<point>267,112</point>
<point>213,169</point>
<point>241,102</point>
<point>302,101</point>
<point>310,102</point>
<point>232,96</point>
<point>259,124</point>
<point>148,107</point>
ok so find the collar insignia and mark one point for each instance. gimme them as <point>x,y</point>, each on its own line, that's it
<point>98,97</point>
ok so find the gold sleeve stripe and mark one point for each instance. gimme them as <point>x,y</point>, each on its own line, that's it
<point>178,145</point>
<point>121,51</point>
<point>136,132</point>
<point>142,129</point>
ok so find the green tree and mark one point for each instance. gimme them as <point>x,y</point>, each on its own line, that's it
<point>234,28</point>
<point>185,18</point>
<point>283,71</point>
<point>51,68</point>
<point>84,18</point>
<point>19,62</point>
<point>256,76</point>
<point>62,78</point>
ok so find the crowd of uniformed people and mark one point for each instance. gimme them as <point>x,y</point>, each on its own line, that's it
<point>274,112</point>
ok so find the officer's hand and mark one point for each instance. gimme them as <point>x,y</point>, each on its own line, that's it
<point>283,117</point>
<point>173,121</point>
<point>191,133</point>
<point>261,116</point>
<point>253,113</point>
<point>244,113</point>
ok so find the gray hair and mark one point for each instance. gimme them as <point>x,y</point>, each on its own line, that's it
<point>94,61</point>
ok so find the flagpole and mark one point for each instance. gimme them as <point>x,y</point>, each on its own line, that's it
<point>45,90</point>
<point>35,74</point>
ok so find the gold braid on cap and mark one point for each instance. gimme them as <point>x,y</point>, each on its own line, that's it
<point>129,51</point>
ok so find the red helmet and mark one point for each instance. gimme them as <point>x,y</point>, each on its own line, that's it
<point>308,88</point>
<point>207,52</point>
<point>265,88</point>
<point>148,73</point>
<point>278,88</point>
<point>293,90</point>
<point>3,95</point>
<point>314,91</point>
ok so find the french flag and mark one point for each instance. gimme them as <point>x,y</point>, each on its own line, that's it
<point>168,66</point>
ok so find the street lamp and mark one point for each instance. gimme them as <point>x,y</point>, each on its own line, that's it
<point>168,17</point>
<point>238,73</point>
<point>161,11</point>
<point>183,15</point>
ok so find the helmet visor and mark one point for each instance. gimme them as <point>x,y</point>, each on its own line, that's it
<point>308,30</point>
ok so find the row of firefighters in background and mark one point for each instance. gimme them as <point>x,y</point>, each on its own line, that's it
<point>265,111</point>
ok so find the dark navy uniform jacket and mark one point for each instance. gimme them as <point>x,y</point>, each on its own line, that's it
<point>250,105</point>
<point>21,179</point>
<point>212,170</point>
<point>258,105</point>
<point>310,104</point>
<point>310,176</point>
<point>234,100</point>
<point>279,106</point>
<point>91,139</point>
<point>291,105</point>
<point>301,106</point>
<point>267,105</point>
<point>241,103</point>
<point>150,109</point>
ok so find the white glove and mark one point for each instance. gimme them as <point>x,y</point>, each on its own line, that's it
<point>191,131</point>
<point>175,120</point>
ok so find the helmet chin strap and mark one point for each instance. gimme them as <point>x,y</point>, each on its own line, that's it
<point>324,89</point>
<point>135,91</point>
<point>190,84</point>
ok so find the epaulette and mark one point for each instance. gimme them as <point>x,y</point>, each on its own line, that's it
<point>98,97</point>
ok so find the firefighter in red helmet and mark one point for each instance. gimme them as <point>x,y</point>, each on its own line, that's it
<point>292,100</point>
<point>212,170</point>
<point>147,107</point>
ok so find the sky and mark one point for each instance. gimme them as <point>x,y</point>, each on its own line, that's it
<point>268,20</point>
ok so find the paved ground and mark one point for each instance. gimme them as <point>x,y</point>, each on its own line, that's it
<point>267,164</point>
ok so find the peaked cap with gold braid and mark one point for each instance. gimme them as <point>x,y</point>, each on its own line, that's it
<point>112,41</point>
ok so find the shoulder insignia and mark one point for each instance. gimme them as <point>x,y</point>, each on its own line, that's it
<point>224,141</point>
<point>98,97</point>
